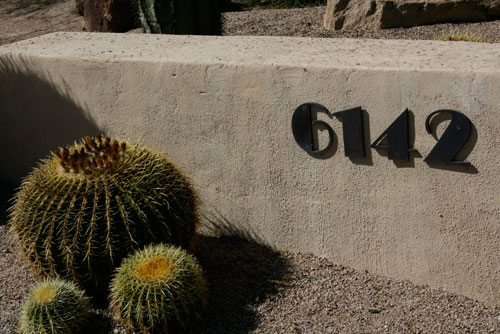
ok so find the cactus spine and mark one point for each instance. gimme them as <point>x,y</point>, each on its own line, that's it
<point>54,307</point>
<point>159,288</point>
<point>82,211</point>
<point>156,19</point>
<point>194,17</point>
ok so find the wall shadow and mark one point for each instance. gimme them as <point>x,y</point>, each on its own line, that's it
<point>241,273</point>
<point>35,117</point>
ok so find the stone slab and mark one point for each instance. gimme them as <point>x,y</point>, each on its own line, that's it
<point>382,14</point>
<point>221,107</point>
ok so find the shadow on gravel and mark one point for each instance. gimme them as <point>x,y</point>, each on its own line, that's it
<point>98,324</point>
<point>242,271</point>
<point>7,191</point>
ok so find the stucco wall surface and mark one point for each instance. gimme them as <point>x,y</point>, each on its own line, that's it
<point>221,107</point>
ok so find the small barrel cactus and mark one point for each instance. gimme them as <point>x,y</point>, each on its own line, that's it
<point>159,288</point>
<point>82,211</point>
<point>54,307</point>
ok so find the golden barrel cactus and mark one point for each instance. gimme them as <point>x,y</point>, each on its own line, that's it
<point>54,307</point>
<point>80,212</point>
<point>158,289</point>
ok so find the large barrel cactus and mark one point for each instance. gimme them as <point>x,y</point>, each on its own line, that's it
<point>158,289</point>
<point>193,17</point>
<point>83,210</point>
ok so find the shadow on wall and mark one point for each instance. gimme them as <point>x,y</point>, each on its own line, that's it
<point>35,117</point>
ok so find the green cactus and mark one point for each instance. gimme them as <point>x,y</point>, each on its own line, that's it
<point>54,307</point>
<point>194,17</point>
<point>84,209</point>
<point>156,20</point>
<point>160,288</point>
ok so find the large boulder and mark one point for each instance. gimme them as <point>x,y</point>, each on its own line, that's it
<point>381,14</point>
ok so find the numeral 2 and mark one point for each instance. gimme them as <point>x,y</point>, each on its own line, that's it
<point>453,139</point>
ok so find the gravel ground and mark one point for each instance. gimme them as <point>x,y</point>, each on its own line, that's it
<point>307,22</point>
<point>22,19</point>
<point>254,289</point>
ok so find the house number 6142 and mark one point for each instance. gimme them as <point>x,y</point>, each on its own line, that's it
<point>396,135</point>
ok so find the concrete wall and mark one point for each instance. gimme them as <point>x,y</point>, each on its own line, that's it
<point>222,108</point>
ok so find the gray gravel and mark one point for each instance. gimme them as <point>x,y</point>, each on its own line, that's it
<point>307,22</point>
<point>255,289</point>
<point>59,15</point>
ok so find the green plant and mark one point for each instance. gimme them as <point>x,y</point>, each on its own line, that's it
<point>194,17</point>
<point>84,209</point>
<point>464,37</point>
<point>158,288</point>
<point>54,307</point>
<point>284,3</point>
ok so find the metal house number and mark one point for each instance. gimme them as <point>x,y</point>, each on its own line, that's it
<point>396,136</point>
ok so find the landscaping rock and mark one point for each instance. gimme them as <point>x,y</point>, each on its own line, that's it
<point>109,15</point>
<point>381,14</point>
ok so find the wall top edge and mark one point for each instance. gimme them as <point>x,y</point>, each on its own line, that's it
<point>422,55</point>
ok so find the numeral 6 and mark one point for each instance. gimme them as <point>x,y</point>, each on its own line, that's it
<point>302,127</point>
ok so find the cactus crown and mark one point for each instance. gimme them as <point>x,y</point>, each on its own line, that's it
<point>153,269</point>
<point>44,294</point>
<point>158,288</point>
<point>92,156</point>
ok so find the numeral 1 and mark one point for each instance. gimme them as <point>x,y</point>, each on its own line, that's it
<point>352,126</point>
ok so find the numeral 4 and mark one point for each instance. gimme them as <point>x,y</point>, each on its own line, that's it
<point>398,141</point>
